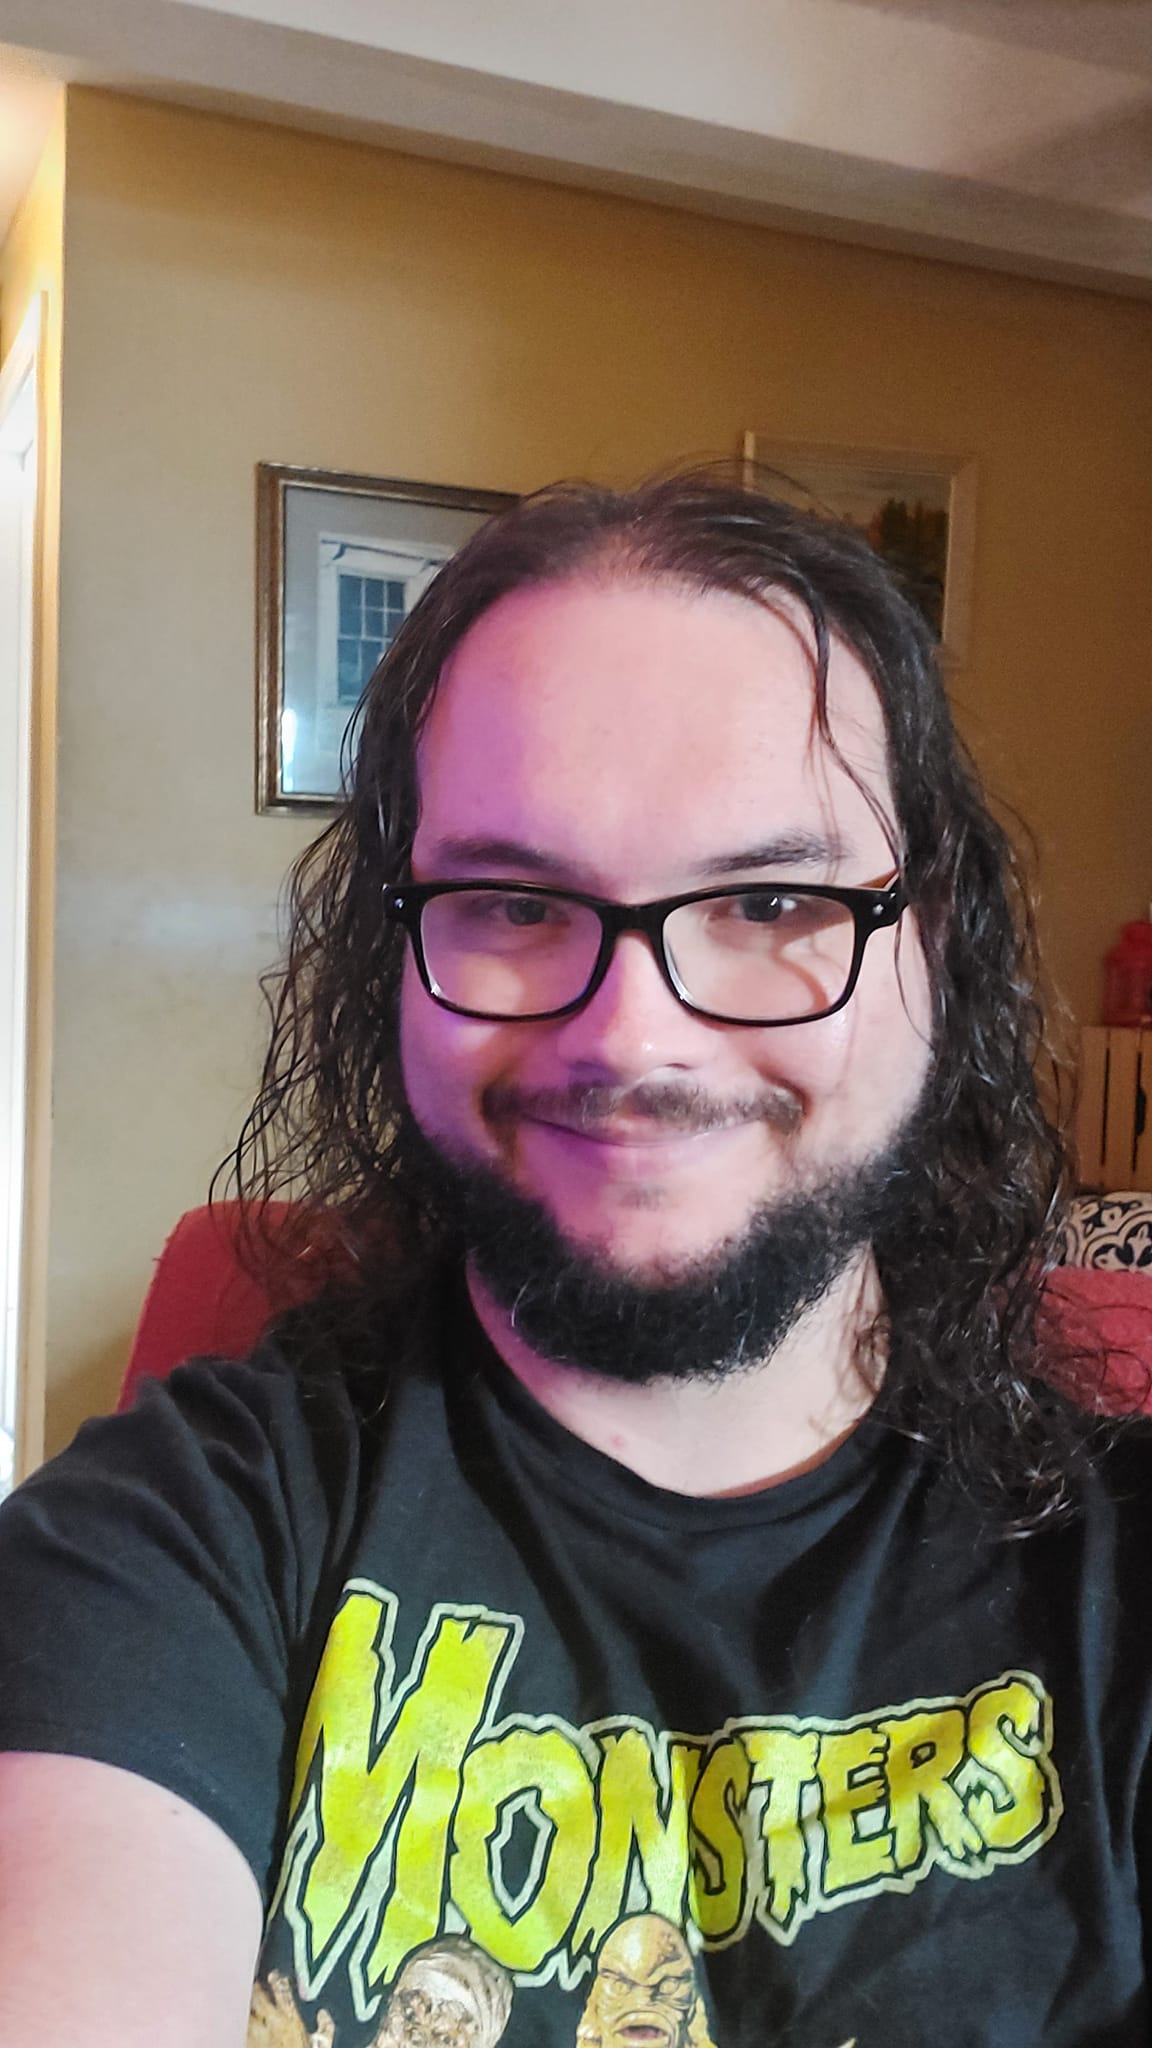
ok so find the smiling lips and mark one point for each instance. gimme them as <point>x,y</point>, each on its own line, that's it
<point>626,1131</point>
<point>632,1149</point>
<point>646,1113</point>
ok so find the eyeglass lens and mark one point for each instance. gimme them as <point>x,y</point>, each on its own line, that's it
<point>775,957</point>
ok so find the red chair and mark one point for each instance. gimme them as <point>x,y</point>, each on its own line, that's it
<point>203,1302</point>
<point>1109,1309</point>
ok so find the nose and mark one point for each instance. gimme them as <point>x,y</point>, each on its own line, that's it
<point>633,1026</point>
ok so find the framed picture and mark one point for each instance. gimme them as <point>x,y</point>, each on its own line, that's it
<point>340,562</point>
<point>918,511</point>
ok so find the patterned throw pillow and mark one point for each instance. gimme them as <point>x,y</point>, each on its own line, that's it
<point>1112,1230</point>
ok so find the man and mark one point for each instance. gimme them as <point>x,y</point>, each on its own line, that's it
<point>653,1589</point>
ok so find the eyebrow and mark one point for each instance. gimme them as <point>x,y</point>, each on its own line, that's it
<point>479,854</point>
<point>788,850</point>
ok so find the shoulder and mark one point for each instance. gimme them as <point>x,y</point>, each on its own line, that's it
<point>303,1412</point>
<point>225,1468</point>
<point>1105,1531</point>
<point>324,1369</point>
<point>240,1419</point>
<point>160,1579</point>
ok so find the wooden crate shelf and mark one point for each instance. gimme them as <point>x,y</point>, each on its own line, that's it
<point>1113,1126</point>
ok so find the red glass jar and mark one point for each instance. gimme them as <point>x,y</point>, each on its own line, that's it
<point>1128,976</point>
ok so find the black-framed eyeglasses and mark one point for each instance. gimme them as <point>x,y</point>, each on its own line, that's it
<point>762,953</point>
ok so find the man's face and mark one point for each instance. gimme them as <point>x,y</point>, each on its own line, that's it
<point>634,741</point>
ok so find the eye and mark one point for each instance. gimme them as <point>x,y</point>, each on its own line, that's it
<point>494,908</point>
<point>792,916</point>
<point>527,910</point>
<point>762,909</point>
<point>730,915</point>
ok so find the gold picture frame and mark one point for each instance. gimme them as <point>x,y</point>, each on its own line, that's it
<point>340,561</point>
<point>917,508</point>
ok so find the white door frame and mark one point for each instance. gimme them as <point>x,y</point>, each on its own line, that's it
<point>21,465</point>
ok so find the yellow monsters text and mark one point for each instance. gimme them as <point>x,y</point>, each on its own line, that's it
<point>417,1810</point>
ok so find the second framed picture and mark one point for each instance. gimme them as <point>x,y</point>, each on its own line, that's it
<point>917,509</point>
<point>341,560</point>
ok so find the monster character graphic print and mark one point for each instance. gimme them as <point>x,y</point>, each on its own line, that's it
<point>448,1995</point>
<point>448,1860</point>
<point>644,1991</point>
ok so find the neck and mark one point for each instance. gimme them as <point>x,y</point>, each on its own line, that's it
<point>752,1429</point>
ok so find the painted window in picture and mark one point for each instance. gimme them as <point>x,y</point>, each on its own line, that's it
<point>371,613</point>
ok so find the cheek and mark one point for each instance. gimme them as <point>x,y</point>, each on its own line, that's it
<point>867,1062</point>
<point>910,1030</point>
<point>810,1061</point>
<point>446,1061</point>
<point>889,1050</point>
<point>426,1053</point>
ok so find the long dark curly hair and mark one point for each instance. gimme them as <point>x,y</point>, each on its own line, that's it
<point>964,1318</point>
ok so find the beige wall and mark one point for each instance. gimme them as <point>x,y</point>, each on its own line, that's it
<point>31,271</point>
<point>238,293</point>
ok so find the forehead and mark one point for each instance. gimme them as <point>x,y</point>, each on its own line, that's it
<point>627,725</point>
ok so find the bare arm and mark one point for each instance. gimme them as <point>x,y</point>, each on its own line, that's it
<point>126,1917</point>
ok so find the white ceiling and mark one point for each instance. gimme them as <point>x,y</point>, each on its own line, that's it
<point>1011,132</point>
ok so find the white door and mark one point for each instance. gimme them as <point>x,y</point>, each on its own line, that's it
<point>18,483</point>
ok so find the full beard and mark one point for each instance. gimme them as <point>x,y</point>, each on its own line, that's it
<point>701,1320</point>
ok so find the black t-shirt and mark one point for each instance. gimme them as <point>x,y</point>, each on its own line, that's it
<point>523,1749</point>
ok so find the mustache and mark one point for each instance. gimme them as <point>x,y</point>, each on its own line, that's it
<point>588,1106</point>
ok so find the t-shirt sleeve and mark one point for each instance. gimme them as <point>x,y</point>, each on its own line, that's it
<point>159,1588</point>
